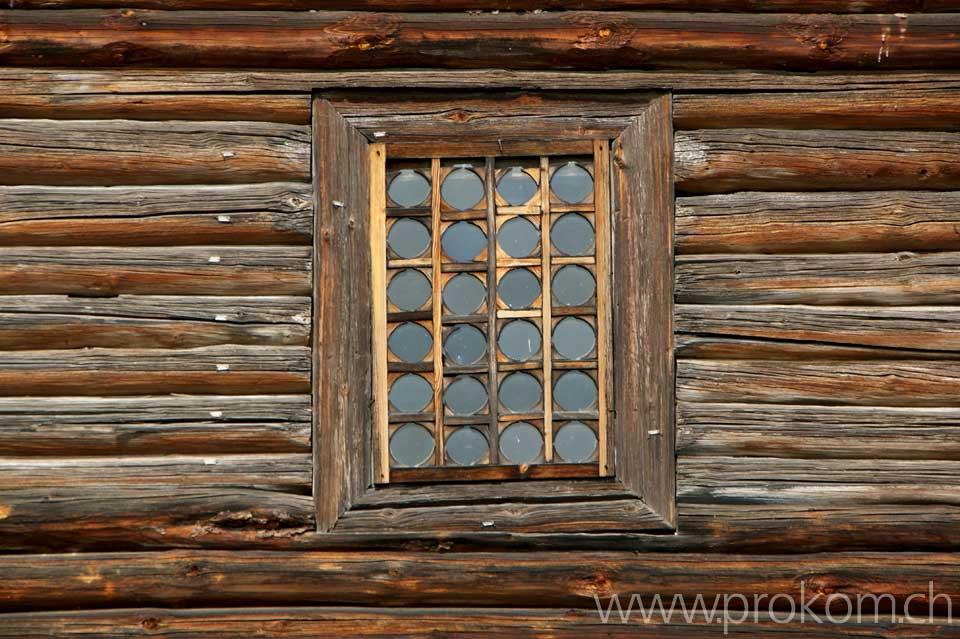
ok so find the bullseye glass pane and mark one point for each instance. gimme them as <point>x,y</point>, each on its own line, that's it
<point>575,391</point>
<point>410,394</point>
<point>573,338</point>
<point>464,294</point>
<point>465,396</point>
<point>409,188</point>
<point>573,234</point>
<point>575,443</point>
<point>519,288</point>
<point>518,237</point>
<point>408,238</point>
<point>411,445</point>
<point>520,340</point>
<point>520,392</point>
<point>572,286</point>
<point>463,242</point>
<point>572,183</point>
<point>466,446</point>
<point>410,342</point>
<point>521,443</point>
<point>465,345</point>
<point>516,186</point>
<point>462,188</point>
<point>409,290</point>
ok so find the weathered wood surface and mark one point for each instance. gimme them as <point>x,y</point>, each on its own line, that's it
<point>208,270</point>
<point>890,109</point>
<point>871,383</point>
<point>718,161</point>
<point>886,329</point>
<point>211,578</point>
<point>127,152</point>
<point>497,623</point>
<point>843,222</point>
<point>882,279</point>
<point>821,432</point>
<point>60,322</point>
<point>289,109</point>
<point>692,346</point>
<point>224,370</point>
<point>331,40</point>
<point>271,213</point>
<point>206,424</point>
<point>283,472</point>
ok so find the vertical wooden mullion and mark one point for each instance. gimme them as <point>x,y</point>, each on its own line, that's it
<point>492,386</point>
<point>378,279</point>
<point>435,265</point>
<point>601,164</point>
<point>546,304</point>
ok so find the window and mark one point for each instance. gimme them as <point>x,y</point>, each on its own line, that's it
<point>493,344</point>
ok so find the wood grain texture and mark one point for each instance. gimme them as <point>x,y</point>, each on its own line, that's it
<point>873,279</point>
<point>288,109</point>
<point>282,472</point>
<point>223,370</point>
<point>818,432</point>
<point>271,213</point>
<point>719,161</point>
<point>873,383</point>
<point>643,308</point>
<point>126,152</point>
<point>841,222</point>
<point>497,623</point>
<point>104,272</point>
<point>332,40</point>
<point>211,578</point>
<point>885,110</point>
<point>154,425</point>
<point>32,322</point>
<point>342,325</point>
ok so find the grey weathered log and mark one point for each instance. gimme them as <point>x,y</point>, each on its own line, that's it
<point>271,213</point>
<point>721,161</point>
<point>32,322</point>
<point>881,279</point>
<point>841,222</point>
<point>207,270</point>
<point>205,424</point>
<point>817,432</point>
<point>870,383</point>
<point>126,152</point>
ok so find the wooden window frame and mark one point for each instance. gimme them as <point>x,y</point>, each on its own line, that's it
<point>350,128</point>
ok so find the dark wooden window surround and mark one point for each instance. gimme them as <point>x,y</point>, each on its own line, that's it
<point>351,128</point>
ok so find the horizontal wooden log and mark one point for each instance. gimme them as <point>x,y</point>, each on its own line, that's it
<point>882,279</point>
<point>834,432</point>
<point>844,222</point>
<point>582,39</point>
<point>720,161</point>
<point>272,213</point>
<point>208,270</point>
<point>891,109</point>
<point>888,331</point>
<point>825,482</point>
<point>223,370</point>
<point>126,152</point>
<point>497,623</point>
<point>692,346</point>
<point>191,578</point>
<point>869,383</point>
<point>288,109</point>
<point>283,472</point>
<point>215,425</point>
<point>34,322</point>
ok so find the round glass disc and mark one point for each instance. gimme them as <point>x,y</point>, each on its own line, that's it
<point>573,338</point>
<point>520,392</point>
<point>572,286</point>
<point>572,183</point>
<point>575,443</point>
<point>519,340</point>
<point>408,238</point>
<point>516,186</point>
<point>464,294</point>
<point>518,237</point>
<point>573,234</point>
<point>465,396</point>
<point>409,188</point>
<point>521,443</point>
<point>463,242</point>
<point>411,445</point>
<point>462,188</point>
<point>466,446</point>
<point>410,394</point>
<point>410,342</point>
<point>465,345</point>
<point>409,290</point>
<point>519,288</point>
<point>575,391</point>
